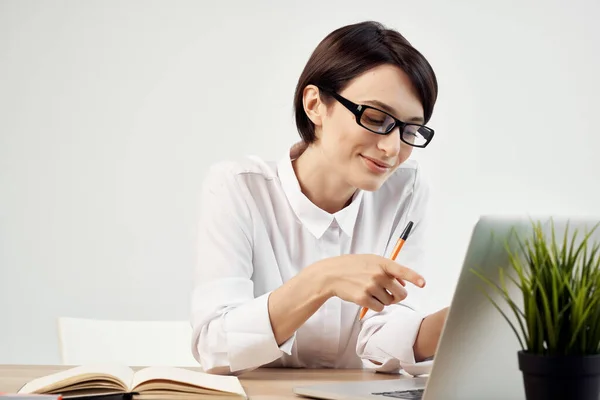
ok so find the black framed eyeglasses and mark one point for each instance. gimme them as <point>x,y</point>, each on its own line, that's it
<point>382,123</point>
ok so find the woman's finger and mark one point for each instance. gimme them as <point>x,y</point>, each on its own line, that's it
<point>400,272</point>
<point>397,291</point>
<point>370,302</point>
<point>382,295</point>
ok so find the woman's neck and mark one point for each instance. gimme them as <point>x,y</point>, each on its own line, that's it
<point>319,183</point>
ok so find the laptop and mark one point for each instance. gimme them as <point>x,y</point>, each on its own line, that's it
<point>476,357</point>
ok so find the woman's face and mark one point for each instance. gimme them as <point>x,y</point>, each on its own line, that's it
<point>360,157</point>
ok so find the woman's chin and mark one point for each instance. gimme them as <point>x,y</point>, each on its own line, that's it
<point>369,184</point>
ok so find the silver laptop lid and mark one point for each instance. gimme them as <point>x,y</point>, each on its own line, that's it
<point>477,353</point>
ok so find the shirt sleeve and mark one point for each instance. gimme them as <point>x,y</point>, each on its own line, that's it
<point>231,327</point>
<point>388,337</point>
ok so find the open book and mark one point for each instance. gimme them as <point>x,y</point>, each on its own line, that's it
<point>147,384</point>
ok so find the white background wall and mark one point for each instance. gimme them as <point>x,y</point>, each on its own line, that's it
<point>111,112</point>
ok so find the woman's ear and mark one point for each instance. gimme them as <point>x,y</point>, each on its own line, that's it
<point>313,106</point>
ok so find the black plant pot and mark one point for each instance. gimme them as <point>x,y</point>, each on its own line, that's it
<point>560,377</point>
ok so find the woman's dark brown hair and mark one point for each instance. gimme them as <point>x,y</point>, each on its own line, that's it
<point>354,49</point>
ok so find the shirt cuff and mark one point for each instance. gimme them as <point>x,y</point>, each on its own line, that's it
<point>391,341</point>
<point>250,338</point>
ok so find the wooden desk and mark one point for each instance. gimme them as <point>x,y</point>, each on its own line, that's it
<point>261,384</point>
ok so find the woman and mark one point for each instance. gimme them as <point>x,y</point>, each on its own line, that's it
<point>289,252</point>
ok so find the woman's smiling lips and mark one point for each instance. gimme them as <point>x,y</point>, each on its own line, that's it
<point>375,165</point>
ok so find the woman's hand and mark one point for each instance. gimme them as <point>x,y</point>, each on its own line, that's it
<point>365,279</point>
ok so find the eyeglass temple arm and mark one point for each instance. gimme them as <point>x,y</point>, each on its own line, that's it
<point>355,108</point>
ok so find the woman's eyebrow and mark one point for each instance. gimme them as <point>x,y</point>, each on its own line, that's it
<point>390,110</point>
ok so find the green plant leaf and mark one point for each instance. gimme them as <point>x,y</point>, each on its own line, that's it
<point>497,307</point>
<point>559,281</point>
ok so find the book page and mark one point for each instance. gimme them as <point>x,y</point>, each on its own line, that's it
<point>118,375</point>
<point>230,384</point>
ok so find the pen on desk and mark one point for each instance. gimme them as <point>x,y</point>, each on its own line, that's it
<point>395,252</point>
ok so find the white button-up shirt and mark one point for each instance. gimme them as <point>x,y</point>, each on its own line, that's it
<point>258,230</point>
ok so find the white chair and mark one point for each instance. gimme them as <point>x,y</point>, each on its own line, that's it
<point>133,343</point>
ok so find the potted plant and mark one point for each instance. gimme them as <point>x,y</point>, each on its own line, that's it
<point>558,321</point>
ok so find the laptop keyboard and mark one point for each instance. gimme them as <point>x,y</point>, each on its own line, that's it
<point>416,394</point>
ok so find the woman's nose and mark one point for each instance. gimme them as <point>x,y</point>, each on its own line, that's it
<point>390,143</point>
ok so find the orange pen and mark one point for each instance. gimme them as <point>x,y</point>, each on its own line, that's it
<point>395,252</point>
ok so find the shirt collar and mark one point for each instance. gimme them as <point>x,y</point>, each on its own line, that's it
<point>347,216</point>
<point>316,220</point>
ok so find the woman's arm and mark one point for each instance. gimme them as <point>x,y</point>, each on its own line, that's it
<point>230,323</point>
<point>359,278</point>
<point>293,303</point>
<point>429,335</point>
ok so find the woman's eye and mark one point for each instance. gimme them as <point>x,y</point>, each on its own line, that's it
<point>375,121</point>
